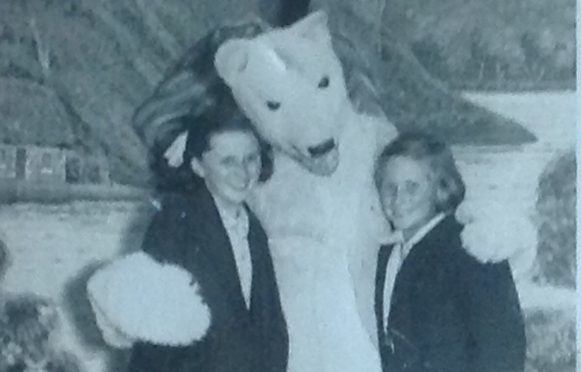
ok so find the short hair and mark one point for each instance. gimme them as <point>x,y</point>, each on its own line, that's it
<point>439,158</point>
<point>223,116</point>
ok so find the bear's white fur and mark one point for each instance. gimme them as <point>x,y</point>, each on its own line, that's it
<point>296,70</point>
<point>325,229</point>
<point>136,298</point>
<point>322,213</point>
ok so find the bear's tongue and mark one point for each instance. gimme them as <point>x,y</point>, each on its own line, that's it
<point>324,165</point>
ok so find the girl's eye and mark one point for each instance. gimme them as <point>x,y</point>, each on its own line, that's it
<point>253,159</point>
<point>324,82</point>
<point>228,161</point>
<point>273,105</point>
<point>389,189</point>
<point>411,187</point>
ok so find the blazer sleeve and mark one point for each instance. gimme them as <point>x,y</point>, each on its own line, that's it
<point>494,317</point>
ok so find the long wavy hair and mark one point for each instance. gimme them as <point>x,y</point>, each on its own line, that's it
<point>189,88</point>
<point>193,86</point>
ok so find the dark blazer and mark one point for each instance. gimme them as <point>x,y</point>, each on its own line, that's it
<point>449,312</point>
<point>189,232</point>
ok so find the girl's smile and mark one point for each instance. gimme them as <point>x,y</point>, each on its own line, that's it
<point>408,194</point>
<point>231,166</point>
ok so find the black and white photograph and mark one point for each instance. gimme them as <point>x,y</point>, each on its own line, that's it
<point>288,186</point>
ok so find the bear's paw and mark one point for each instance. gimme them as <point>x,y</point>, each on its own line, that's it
<point>136,298</point>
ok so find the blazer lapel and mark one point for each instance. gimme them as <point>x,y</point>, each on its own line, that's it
<point>380,274</point>
<point>424,250</point>
<point>215,248</point>
<point>423,254</point>
<point>257,242</point>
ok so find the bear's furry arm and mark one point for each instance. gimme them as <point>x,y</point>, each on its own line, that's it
<point>148,296</point>
<point>489,234</point>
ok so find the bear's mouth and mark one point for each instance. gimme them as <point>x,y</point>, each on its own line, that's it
<point>321,159</point>
<point>321,149</point>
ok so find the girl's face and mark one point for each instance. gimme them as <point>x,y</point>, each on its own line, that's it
<point>230,166</point>
<point>408,194</point>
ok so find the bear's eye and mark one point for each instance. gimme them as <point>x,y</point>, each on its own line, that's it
<point>273,105</point>
<point>324,82</point>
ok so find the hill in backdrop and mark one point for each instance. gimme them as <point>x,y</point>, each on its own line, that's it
<point>72,72</point>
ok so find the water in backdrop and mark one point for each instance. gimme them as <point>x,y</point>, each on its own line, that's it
<point>511,172</point>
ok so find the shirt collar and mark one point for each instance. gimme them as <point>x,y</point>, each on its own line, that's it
<point>422,232</point>
<point>233,219</point>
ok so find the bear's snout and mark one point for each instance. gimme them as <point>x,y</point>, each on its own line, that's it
<point>322,149</point>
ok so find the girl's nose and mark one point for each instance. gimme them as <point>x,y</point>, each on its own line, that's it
<point>395,194</point>
<point>399,197</point>
<point>242,172</point>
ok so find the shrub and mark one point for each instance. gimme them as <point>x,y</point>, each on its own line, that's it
<point>556,207</point>
<point>26,325</point>
<point>550,340</point>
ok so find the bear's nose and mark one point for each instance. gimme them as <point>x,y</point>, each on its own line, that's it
<point>322,148</point>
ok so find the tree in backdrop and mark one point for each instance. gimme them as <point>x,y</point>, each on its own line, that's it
<point>491,43</point>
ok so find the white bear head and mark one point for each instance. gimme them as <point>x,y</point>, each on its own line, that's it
<point>290,83</point>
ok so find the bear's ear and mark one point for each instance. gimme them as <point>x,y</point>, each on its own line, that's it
<point>231,59</point>
<point>314,26</point>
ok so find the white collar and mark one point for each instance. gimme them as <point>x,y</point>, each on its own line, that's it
<point>232,219</point>
<point>422,232</point>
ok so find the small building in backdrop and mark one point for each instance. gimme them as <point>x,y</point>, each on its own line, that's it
<point>44,164</point>
<point>38,142</point>
<point>8,155</point>
<point>86,168</point>
<point>52,165</point>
